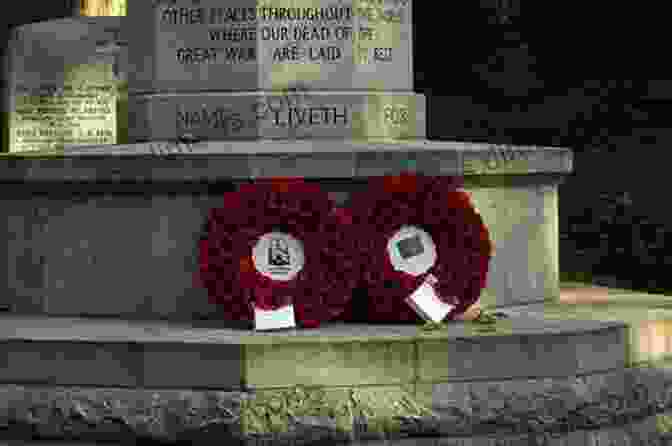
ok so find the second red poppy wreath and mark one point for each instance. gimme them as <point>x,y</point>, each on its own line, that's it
<point>412,228</point>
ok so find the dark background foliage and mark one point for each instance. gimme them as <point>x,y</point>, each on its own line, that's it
<point>590,76</point>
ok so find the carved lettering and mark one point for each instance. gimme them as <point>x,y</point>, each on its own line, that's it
<point>183,16</point>
<point>197,55</point>
<point>300,14</point>
<point>224,15</point>
<point>275,33</point>
<point>326,53</point>
<point>287,53</point>
<point>311,33</point>
<point>219,118</point>
<point>395,114</point>
<point>310,116</point>
<point>203,16</point>
<point>233,34</point>
<point>190,56</point>
<point>382,54</point>
<point>293,31</point>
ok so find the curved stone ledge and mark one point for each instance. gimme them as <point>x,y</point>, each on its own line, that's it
<point>175,415</point>
<point>182,162</point>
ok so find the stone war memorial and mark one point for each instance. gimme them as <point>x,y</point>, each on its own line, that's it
<point>144,142</point>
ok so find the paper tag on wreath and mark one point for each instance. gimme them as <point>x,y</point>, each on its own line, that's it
<point>278,256</point>
<point>413,252</point>
<point>283,317</point>
<point>426,303</point>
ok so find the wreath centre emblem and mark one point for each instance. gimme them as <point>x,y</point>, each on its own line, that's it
<point>278,256</point>
<point>411,250</point>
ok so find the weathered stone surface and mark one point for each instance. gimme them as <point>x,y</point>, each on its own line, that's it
<point>223,161</point>
<point>335,364</point>
<point>179,46</point>
<point>647,316</point>
<point>162,222</point>
<point>513,351</point>
<point>64,351</point>
<point>115,414</point>
<point>265,115</point>
<point>523,226</point>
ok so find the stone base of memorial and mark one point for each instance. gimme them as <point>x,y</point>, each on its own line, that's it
<point>141,213</point>
<point>114,380</point>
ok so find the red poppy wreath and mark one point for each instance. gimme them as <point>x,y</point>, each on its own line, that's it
<point>413,229</point>
<point>311,268</point>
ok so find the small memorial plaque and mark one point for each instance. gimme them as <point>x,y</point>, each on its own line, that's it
<point>65,84</point>
<point>283,317</point>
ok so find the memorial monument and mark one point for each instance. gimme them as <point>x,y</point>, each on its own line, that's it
<point>101,242</point>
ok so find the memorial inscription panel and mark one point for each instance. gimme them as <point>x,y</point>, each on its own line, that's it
<point>271,45</point>
<point>229,116</point>
<point>53,116</point>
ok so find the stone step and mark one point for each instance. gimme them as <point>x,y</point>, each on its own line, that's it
<point>101,378</point>
<point>648,316</point>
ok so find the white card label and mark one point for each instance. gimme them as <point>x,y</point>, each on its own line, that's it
<point>427,304</point>
<point>283,317</point>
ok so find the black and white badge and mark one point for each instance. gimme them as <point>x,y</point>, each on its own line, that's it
<point>278,256</point>
<point>411,250</point>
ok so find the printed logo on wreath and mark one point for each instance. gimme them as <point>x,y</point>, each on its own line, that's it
<point>278,256</point>
<point>411,250</point>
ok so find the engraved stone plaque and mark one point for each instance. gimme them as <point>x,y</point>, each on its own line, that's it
<point>65,84</point>
<point>243,45</point>
<point>238,116</point>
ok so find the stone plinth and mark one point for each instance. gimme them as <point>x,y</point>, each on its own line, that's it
<point>113,379</point>
<point>105,232</point>
<point>65,84</point>
<point>300,115</point>
<point>249,45</point>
